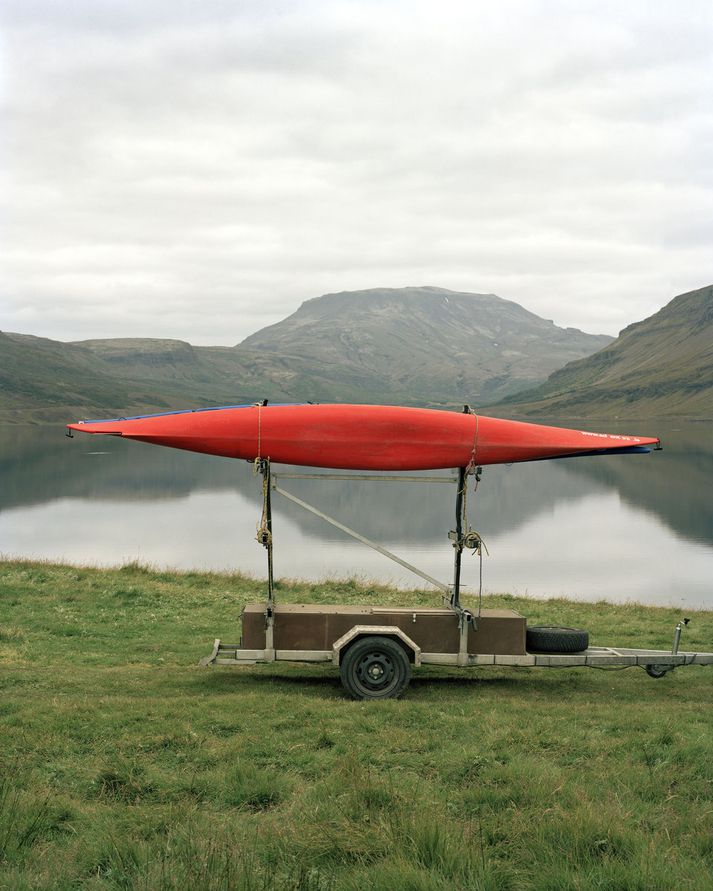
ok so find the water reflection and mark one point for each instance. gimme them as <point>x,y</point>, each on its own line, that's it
<point>601,527</point>
<point>676,487</point>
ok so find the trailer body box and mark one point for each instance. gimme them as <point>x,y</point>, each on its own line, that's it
<point>318,626</point>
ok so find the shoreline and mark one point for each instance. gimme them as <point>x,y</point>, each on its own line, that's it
<point>314,591</point>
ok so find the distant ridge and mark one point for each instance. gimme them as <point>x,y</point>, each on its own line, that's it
<point>660,366</point>
<point>418,346</point>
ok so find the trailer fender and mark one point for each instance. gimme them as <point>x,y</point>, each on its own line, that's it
<point>339,646</point>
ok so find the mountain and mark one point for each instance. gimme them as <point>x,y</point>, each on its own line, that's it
<point>424,344</point>
<point>661,366</point>
<point>409,345</point>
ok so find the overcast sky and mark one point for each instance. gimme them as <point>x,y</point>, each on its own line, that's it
<point>198,169</point>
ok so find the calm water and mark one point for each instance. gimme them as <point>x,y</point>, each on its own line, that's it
<point>637,527</point>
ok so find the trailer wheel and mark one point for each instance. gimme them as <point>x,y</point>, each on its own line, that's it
<point>375,668</point>
<point>550,639</point>
<point>658,671</point>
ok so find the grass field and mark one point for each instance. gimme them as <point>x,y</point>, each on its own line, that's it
<point>126,766</point>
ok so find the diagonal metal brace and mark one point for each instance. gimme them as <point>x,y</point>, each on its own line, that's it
<point>367,541</point>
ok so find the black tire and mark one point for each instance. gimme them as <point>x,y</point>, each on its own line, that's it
<point>549,639</point>
<point>658,671</point>
<point>375,668</point>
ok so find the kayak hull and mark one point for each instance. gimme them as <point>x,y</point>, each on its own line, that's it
<point>362,437</point>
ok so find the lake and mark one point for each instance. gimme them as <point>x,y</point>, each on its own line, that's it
<point>620,528</point>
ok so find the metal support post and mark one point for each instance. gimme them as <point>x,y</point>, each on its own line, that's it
<point>264,536</point>
<point>458,537</point>
<point>458,540</point>
<point>465,617</point>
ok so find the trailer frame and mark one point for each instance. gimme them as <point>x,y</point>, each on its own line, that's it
<point>592,657</point>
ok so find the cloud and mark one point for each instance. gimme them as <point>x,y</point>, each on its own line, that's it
<point>197,170</point>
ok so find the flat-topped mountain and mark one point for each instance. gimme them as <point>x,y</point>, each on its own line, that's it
<point>425,343</point>
<point>662,365</point>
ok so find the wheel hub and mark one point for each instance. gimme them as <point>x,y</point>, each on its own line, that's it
<point>375,670</point>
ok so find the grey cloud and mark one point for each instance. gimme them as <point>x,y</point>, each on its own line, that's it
<point>196,170</point>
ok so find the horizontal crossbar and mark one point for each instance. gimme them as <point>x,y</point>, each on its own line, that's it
<point>372,477</point>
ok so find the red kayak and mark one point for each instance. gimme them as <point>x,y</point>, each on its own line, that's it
<point>362,437</point>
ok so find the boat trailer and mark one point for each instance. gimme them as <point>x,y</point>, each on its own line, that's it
<point>375,647</point>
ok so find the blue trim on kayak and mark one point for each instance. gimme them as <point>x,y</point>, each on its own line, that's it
<point>621,450</point>
<point>185,411</point>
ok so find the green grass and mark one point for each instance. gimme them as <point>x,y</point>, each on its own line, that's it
<point>126,766</point>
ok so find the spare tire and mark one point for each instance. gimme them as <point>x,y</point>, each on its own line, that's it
<point>550,639</point>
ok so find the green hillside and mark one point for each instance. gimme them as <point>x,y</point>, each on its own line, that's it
<point>41,375</point>
<point>661,366</point>
<point>44,380</point>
